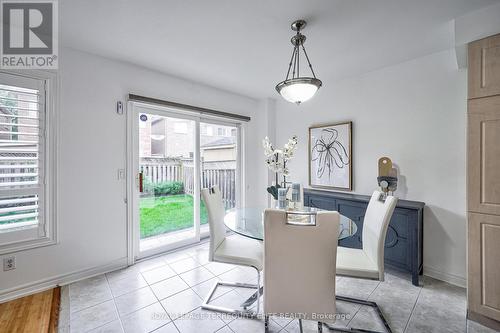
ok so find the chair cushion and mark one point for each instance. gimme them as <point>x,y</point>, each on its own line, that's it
<point>240,251</point>
<point>355,262</point>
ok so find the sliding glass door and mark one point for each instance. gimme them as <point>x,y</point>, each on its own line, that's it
<point>174,155</point>
<point>219,158</point>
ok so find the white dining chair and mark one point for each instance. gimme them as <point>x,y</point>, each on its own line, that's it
<point>299,266</point>
<point>234,250</point>
<point>368,262</point>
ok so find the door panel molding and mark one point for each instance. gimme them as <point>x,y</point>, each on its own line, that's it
<point>483,288</point>
<point>483,160</point>
<point>484,67</point>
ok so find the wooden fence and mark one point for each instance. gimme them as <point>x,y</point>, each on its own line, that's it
<point>158,170</point>
<point>226,180</point>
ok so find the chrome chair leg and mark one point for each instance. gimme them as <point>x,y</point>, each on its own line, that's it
<point>239,312</point>
<point>258,291</point>
<point>360,330</point>
<point>320,326</point>
<point>255,296</point>
<point>247,303</point>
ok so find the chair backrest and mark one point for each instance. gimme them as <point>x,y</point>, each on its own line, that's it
<point>375,224</point>
<point>216,211</point>
<point>300,265</point>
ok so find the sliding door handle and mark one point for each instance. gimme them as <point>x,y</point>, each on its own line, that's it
<point>140,176</point>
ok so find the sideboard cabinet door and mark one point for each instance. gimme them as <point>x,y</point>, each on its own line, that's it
<point>356,212</point>
<point>396,250</point>
<point>484,67</point>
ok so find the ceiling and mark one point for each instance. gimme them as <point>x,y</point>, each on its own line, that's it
<point>244,47</point>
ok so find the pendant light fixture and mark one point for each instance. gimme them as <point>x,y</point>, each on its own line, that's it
<point>298,89</point>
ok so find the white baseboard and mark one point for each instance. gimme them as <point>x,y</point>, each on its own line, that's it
<point>60,280</point>
<point>446,277</point>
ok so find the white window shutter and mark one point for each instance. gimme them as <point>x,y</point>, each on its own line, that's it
<point>22,150</point>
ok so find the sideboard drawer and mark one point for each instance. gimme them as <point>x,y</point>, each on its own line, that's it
<point>319,202</point>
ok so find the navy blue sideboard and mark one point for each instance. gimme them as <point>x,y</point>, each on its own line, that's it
<point>403,244</point>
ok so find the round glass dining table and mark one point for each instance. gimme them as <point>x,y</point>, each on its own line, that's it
<point>249,221</point>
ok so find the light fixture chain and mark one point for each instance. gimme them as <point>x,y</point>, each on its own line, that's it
<point>290,64</point>
<point>307,58</point>
<point>295,62</point>
<point>298,61</point>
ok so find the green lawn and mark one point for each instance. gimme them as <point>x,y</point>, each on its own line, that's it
<point>168,213</point>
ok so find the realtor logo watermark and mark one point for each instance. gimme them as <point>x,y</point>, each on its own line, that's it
<point>29,34</point>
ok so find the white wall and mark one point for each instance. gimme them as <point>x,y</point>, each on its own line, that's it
<point>92,211</point>
<point>475,25</point>
<point>414,113</point>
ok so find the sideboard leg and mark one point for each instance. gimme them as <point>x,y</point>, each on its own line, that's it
<point>414,278</point>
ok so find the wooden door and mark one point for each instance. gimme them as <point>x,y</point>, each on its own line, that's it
<point>484,265</point>
<point>483,158</point>
<point>484,67</point>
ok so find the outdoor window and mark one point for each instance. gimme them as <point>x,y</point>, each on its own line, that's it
<point>181,128</point>
<point>24,199</point>
<point>210,130</point>
<point>158,137</point>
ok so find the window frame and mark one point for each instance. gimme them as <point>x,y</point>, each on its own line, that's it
<point>45,233</point>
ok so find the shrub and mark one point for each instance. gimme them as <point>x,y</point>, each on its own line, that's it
<point>163,188</point>
<point>166,188</point>
<point>147,186</point>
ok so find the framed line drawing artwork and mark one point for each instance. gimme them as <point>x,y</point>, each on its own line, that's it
<point>330,156</point>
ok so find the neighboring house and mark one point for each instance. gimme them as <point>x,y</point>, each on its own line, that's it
<point>219,154</point>
<point>170,137</point>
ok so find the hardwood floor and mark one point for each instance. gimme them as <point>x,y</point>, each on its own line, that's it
<point>34,313</point>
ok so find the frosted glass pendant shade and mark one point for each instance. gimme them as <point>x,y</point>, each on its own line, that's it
<point>298,90</point>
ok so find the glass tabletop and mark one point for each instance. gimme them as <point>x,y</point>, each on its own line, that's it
<point>249,221</point>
